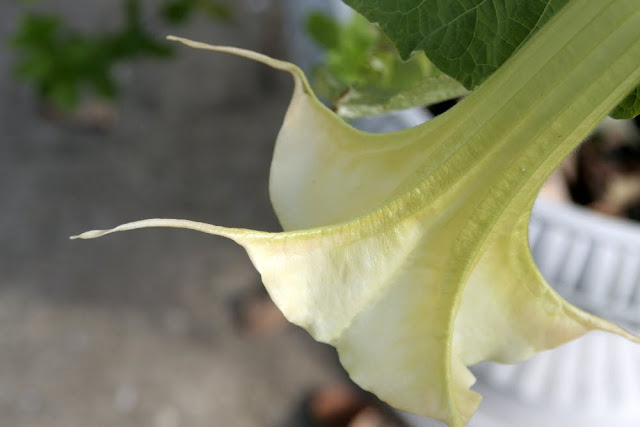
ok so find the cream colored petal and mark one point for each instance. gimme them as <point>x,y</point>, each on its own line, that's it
<point>379,290</point>
<point>426,269</point>
<point>321,278</point>
<point>398,347</point>
<point>383,291</point>
<point>325,171</point>
<point>508,310</point>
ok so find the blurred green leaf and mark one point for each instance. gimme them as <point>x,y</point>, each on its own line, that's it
<point>431,88</point>
<point>363,74</point>
<point>35,31</point>
<point>61,62</point>
<point>629,107</point>
<point>179,11</point>
<point>215,10</point>
<point>324,30</point>
<point>63,94</point>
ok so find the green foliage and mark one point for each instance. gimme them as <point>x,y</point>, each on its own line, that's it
<point>56,61</point>
<point>179,11</point>
<point>363,73</point>
<point>324,30</point>
<point>629,107</point>
<point>61,62</point>
<point>352,51</point>
<point>466,39</point>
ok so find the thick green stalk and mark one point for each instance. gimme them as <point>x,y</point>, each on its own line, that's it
<point>524,120</point>
<point>521,123</point>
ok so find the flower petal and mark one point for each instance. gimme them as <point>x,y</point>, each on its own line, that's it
<point>412,255</point>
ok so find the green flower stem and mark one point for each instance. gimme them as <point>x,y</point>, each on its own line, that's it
<point>523,121</point>
<point>496,148</point>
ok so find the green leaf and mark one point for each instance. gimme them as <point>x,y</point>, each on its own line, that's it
<point>467,39</point>
<point>363,74</point>
<point>414,83</point>
<point>35,30</point>
<point>629,107</point>
<point>324,30</point>
<point>177,12</point>
<point>216,11</point>
<point>61,62</point>
<point>63,95</point>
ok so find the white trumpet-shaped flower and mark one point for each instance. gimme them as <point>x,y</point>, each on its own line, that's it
<point>408,251</point>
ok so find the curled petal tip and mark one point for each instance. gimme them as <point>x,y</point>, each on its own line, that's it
<point>92,234</point>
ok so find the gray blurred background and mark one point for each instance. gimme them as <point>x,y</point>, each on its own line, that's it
<point>171,328</point>
<point>159,328</point>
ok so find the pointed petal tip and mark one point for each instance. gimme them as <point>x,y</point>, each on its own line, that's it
<point>631,336</point>
<point>289,67</point>
<point>236,234</point>
<point>613,328</point>
<point>92,234</point>
<point>267,60</point>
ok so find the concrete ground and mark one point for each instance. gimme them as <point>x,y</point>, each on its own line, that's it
<point>138,329</point>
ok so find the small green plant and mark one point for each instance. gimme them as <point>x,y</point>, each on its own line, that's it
<point>61,62</point>
<point>363,73</point>
<point>179,11</point>
<point>408,251</point>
